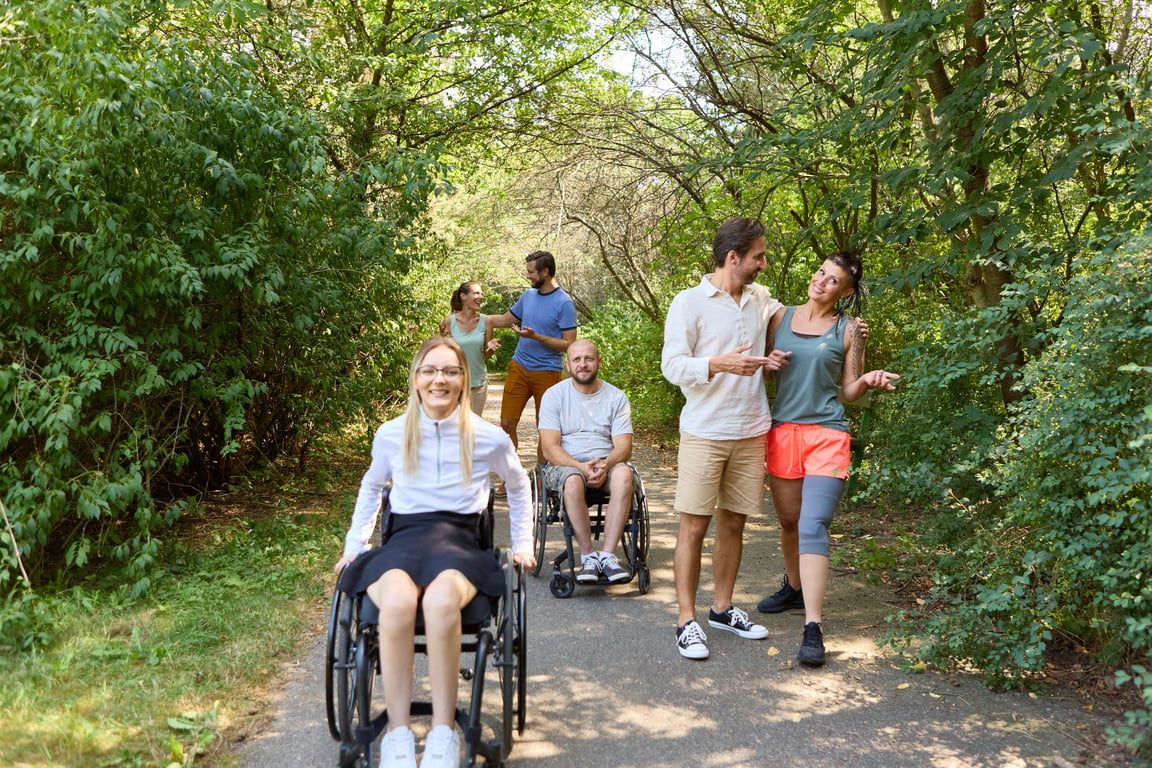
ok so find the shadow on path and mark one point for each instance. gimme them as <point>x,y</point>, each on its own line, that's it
<point>608,688</point>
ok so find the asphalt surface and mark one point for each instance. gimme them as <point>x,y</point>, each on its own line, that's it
<point>607,687</point>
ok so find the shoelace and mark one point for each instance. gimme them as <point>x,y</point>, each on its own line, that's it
<point>739,618</point>
<point>438,746</point>
<point>693,634</point>
<point>609,561</point>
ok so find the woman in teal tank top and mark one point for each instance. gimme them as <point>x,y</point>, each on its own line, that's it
<point>473,332</point>
<point>808,448</point>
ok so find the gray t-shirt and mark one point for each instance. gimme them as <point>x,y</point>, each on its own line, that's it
<point>586,423</point>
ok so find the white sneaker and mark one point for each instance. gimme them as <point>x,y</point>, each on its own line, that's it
<point>398,748</point>
<point>441,749</point>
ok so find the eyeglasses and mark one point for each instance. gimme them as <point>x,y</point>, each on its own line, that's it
<point>428,372</point>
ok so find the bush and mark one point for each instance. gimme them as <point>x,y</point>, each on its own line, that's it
<point>1056,539</point>
<point>185,281</point>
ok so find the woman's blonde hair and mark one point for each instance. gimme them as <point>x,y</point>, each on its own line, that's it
<point>411,448</point>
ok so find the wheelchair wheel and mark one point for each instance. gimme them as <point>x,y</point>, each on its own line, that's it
<point>359,756</point>
<point>561,586</point>
<point>643,580</point>
<point>510,649</point>
<point>540,518</point>
<point>642,534</point>
<point>521,652</point>
<point>337,639</point>
<point>344,668</point>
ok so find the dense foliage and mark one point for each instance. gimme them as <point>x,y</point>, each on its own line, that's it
<point>185,281</point>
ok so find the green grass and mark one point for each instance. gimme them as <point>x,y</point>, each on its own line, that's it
<point>144,682</point>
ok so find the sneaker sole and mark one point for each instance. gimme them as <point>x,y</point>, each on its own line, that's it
<point>618,578</point>
<point>810,662</point>
<point>691,654</point>
<point>753,635</point>
<point>587,579</point>
<point>780,608</point>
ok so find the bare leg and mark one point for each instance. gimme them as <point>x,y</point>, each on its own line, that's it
<point>619,505</point>
<point>726,554</point>
<point>686,563</point>
<point>396,596</point>
<point>814,572</point>
<point>577,511</point>
<point>786,498</point>
<point>443,600</point>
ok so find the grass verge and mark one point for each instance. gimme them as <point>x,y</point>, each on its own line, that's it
<point>152,681</point>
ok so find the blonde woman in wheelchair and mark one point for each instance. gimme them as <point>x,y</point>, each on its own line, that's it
<point>436,457</point>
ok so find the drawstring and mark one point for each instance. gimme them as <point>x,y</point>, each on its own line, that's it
<point>439,479</point>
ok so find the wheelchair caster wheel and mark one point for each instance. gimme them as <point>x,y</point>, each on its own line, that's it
<point>642,580</point>
<point>562,586</point>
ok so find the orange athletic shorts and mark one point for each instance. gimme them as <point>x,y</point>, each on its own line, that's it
<point>523,385</point>
<point>792,451</point>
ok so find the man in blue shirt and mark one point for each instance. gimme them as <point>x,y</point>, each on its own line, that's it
<point>544,317</point>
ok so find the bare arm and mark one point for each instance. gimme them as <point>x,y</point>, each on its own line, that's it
<point>506,320</point>
<point>491,343</point>
<point>857,383</point>
<point>558,344</point>
<point>555,453</point>
<point>445,327</point>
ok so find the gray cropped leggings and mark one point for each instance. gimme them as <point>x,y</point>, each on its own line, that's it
<point>819,498</point>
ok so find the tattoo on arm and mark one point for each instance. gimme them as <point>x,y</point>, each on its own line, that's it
<point>856,353</point>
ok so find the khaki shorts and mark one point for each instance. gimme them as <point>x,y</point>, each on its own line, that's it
<point>720,474</point>
<point>523,385</point>
<point>479,398</point>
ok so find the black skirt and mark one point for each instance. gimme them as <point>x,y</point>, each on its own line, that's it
<point>424,545</point>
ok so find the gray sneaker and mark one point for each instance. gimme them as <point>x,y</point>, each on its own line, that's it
<point>611,568</point>
<point>589,572</point>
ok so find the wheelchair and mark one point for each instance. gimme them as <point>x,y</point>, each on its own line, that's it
<point>549,509</point>
<point>493,633</point>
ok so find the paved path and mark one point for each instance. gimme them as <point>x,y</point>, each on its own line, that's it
<point>607,687</point>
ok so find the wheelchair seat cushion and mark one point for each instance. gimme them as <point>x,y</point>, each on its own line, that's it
<point>424,545</point>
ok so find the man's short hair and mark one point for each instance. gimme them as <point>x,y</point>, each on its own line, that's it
<point>545,261</point>
<point>735,235</point>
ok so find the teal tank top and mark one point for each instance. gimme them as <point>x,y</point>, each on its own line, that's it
<point>807,388</point>
<point>473,345</point>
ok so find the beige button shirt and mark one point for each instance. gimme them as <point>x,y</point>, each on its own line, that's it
<point>705,321</point>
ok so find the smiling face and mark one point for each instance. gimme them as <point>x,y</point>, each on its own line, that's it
<point>749,266</point>
<point>439,393</point>
<point>474,297</point>
<point>537,277</point>
<point>830,283</point>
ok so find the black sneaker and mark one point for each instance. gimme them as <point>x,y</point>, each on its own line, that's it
<point>812,649</point>
<point>736,621</point>
<point>691,641</point>
<point>782,599</point>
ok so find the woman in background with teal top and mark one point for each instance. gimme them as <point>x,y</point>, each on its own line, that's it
<point>473,332</point>
<point>808,452</point>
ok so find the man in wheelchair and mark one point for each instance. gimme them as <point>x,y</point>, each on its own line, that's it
<point>586,437</point>
<point>436,458</point>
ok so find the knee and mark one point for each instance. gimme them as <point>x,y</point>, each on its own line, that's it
<point>441,612</point>
<point>622,480</point>
<point>813,534</point>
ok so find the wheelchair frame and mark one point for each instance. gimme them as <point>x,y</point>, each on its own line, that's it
<point>549,508</point>
<point>493,628</point>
